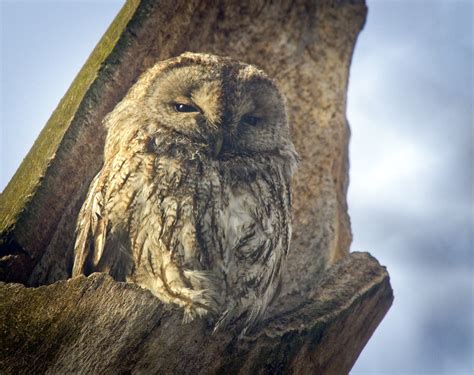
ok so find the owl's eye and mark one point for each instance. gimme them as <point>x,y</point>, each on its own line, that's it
<point>250,120</point>
<point>180,107</point>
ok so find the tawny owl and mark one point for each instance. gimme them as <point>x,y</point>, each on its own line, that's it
<point>193,199</point>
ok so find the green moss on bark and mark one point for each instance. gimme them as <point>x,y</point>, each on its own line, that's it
<point>23,185</point>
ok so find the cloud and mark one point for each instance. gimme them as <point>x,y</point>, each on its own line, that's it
<point>410,109</point>
<point>427,330</point>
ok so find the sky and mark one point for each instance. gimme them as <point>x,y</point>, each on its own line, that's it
<point>410,197</point>
<point>410,105</point>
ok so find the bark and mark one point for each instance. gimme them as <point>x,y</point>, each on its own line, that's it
<point>96,325</point>
<point>305,45</point>
<point>331,301</point>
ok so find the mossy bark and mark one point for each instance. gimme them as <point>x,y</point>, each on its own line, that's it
<point>32,204</point>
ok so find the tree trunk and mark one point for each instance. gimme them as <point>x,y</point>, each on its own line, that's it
<point>97,324</point>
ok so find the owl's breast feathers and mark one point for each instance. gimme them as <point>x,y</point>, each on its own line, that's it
<point>208,235</point>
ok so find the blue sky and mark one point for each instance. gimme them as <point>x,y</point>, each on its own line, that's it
<point>410,197</point>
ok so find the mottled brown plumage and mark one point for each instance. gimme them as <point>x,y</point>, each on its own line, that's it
<point>193,199</point>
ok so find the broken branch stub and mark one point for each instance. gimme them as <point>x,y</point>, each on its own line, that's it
<point>96,325</point>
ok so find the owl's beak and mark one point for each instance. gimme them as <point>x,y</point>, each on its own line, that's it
<point>218,144</point>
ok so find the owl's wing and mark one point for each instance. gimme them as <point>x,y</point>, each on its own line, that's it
<point>91,227</point>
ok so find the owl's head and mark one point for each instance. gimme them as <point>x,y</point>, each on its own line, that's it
<point>220,105</point>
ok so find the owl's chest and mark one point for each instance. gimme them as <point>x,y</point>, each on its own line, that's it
<point>228,219</point>
<point>235,212</point>
<point>203,212</point>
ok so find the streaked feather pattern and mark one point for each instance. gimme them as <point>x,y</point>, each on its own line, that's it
<point>204,229</point>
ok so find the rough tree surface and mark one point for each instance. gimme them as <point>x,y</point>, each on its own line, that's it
<point>306,46</point>
<point>96,325</point>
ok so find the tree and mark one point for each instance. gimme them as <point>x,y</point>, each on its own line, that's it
<point>331,301</point>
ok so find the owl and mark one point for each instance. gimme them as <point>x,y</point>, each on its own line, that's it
<point>193,199</point>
